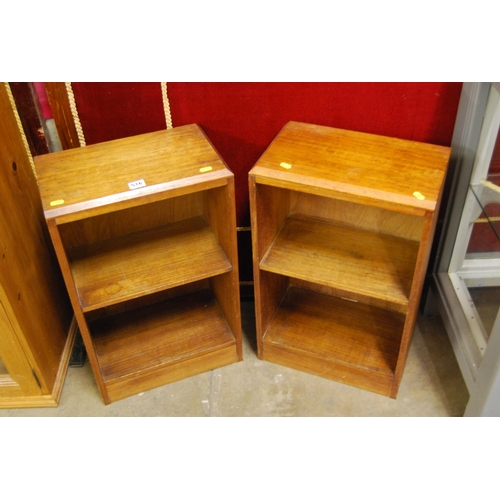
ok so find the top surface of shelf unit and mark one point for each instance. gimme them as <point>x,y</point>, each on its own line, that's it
<point>98,175</point>
<point>356,166</point>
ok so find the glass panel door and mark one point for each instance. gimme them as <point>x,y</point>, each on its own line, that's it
<point>475,264</point>
<point>483,251</point>
<point>468,280</point>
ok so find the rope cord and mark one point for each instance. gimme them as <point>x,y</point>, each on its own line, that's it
<point>166,105</point>
<point>74,112</point>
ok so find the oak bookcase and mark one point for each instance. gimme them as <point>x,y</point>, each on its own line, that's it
<point>145,232</point>
<point>342,225</point>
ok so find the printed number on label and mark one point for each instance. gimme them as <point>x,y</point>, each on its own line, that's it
<point>136,184</point>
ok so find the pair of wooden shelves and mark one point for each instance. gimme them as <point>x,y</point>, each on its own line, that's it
<point>342,224</point>
<point>145,232</point>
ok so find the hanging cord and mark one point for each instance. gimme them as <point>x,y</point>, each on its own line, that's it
<point>166,105</point>
<point>74,112</point>
<point>21,129</point>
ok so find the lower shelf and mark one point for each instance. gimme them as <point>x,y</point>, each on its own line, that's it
<point>353,343</point>
<point>161,343</point>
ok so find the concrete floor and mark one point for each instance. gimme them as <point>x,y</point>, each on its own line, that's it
<point>432,386</point>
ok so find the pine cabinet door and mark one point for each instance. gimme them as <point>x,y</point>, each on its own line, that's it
<point>17,378</point>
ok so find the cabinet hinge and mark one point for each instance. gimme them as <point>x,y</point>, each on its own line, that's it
<point>36,378</point>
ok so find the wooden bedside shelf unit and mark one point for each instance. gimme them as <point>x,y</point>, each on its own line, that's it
<point>342,225</point>
<point>145,232</point>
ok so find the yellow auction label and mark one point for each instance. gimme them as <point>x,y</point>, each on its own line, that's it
<point>56,202</point>
<point>419,195</point>
<point>205,169</point>
<point>285,165</point>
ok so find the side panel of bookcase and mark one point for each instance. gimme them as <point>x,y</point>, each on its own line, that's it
<point>269,209</point>
<point>429,221</point>
<point>75,302</point>
<point>221,214</point>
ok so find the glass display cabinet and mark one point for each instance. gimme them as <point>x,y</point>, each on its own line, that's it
<point>467,275</point>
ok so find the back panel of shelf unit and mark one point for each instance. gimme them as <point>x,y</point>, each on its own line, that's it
<point>136,219</point>
<point>147,300</point>
<point>284,202</point>
<point>365,217</point>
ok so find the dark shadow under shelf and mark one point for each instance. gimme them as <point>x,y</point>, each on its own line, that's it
<point>332,329</point>
<point>160,334</point>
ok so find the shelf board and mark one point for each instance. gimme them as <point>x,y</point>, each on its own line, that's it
<point>81,179</point>
<point>353,335</point>
<point>119,269</point>
<point>359,262</point>
<point>183,328</point>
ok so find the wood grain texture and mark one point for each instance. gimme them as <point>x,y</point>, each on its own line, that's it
<point>333,369</point>
<point>18,382</point>
<point>61,111</point>
<point>13,396</point>
<point>164,342</point>
<point>75,302</point>
<point>430,221</point>
<point>121,388</point>
<point>338,339</point>
<point>342,225</point>
<point>333,328</point>
<point>152,272</point>
<point>106,169</point>
<point>357,164</point>
<point>362,262</point>
<point>357,215</point>
<point>114,224</point>
<point>146,262</point>
<point>32,293</point>
<point>222,201</point>
<point>272,206</point>
<point>161,334</point>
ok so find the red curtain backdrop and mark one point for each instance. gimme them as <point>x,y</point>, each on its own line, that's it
<point>114,110</point>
